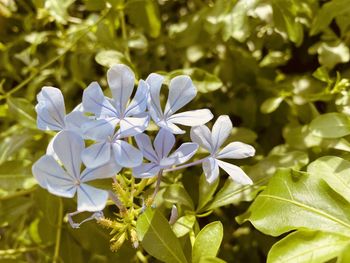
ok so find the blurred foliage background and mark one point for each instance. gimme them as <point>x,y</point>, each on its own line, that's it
<point>272,65</point>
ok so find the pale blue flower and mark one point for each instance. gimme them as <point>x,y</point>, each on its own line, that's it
<point>158,154</point>
<point>67,180</point>
<point>131,117</point>
<point>51,112</point>
<point>181,92</point>
<point>212,141</point>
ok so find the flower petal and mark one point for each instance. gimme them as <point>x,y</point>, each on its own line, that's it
<point>145,145</point>
<point>163,143</point>
<point>171,127</point>
<point>181,92</point>
<point>96,154</point>
<point>236,150</point>
<point>95,102</point>
<point>91,199</point>
<point>130,126</point>
<point>121,81</point>
<point>211,169</point>
<point>105,171</point>
<point>68,146</point>
<point>202,136</point>
<point>100,130</point>
<point>52,177</point>
<point>146,170</point>
<point>184,152</point>
<point>139,103</point>
<point>50,109</point>
<point>236,173</point>
<point>191,118</point>
<point>75,120</point>
<point>126,155</point>
<point>221,131</point>
<point>155,82</point>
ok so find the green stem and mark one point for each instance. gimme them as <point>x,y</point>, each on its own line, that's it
<point>124,33</point>
<point>59,232</point>
<point>18,193</point>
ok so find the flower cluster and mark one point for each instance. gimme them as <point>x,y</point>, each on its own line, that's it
<point>97,139</point>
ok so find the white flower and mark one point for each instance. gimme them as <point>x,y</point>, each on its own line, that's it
<point>212,141</point>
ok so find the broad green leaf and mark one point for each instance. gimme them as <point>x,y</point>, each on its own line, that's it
<point>157,238</point>
<point>145,15</point>
<point>310,247</point>
<point>206,191</point>
<point>271,104</point>
<point>207,242</point>
<point>177,194</point>
<point>108,58</point>
<point>345,256</point>
<point>335,171</point>
<point>231,193</point>
<point>183,225</point>
<point>331,125</point>
<point>297,200</point>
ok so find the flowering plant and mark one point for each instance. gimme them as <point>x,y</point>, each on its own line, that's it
<point>107,137</point>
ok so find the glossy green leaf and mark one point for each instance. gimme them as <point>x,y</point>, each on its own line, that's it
<point>271,104</point>
<point>157,238</point>
<point>108,58</point>
<point>310,247</point>
<point>297,200</point>
<point>184,225</point>
<point>207,241</point>
<point>206,191</point>
<point>331,125</point>
<point>335,171</point>
<point>177,194</point>
<point>231,193</point>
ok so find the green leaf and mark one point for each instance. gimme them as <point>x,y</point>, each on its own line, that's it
<point>331,55</point>
<point>145,15</point>
<point>335,171</point>
<point>310,247</point>
<point>207,241</point>
<point>22,110</point>
<point>177,194</point>
<point>296,200</point>
<point>157,238</point>
<point>203,80</point>
<point>58,9</point>
<point>271,104</point>
<point>184,225</point>
<point>231,193</point>
<point>331,125</point>
<point>206,191</point>
<point>284,15</point>
<point>327,13</point>
<point>345,256</point>
<point>108,58</point>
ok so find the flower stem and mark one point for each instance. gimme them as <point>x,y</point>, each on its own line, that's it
<point>59,232</point>
<point>124,33</point>
<point>149,202</point>
<point>185,165</point>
